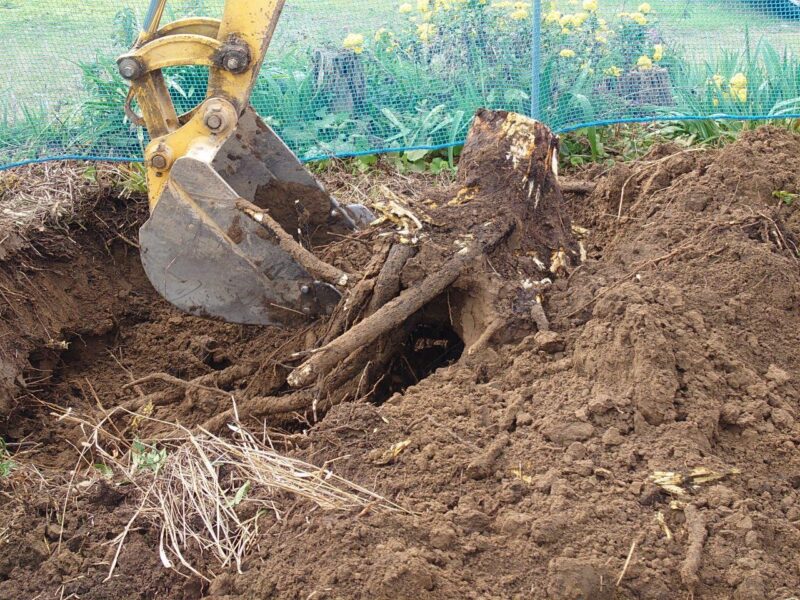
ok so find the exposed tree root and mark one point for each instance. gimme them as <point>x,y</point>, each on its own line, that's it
<point>394,313</point>
<point>316,267</point>
<point>695,525</point>
<point>211,382</point>
<point>352,304</point>
<point>387,284</point>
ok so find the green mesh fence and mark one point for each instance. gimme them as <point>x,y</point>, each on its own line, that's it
<point>344,77</point>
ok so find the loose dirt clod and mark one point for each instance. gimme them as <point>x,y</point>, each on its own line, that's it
<point>527,464</point>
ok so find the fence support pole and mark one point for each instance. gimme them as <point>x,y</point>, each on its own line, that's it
<point>536,60</point>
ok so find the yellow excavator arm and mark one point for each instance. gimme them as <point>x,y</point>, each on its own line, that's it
<point>232,48</point>
<point>211,169</point>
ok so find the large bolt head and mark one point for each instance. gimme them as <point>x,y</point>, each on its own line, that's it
<point>130,68</point>
<point>234,59</point>
<point>232,63</point>
<point>214,122</point>
<point>158,161</point>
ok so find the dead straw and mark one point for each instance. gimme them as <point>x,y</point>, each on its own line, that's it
<point>205,484</point>
<point>51,194</point>
<point>627,563</point>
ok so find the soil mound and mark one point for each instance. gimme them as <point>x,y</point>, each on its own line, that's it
<point>645,446</point>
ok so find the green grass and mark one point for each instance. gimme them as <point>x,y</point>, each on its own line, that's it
<point>6,464</point>
<point>59,88</point>
<point>45,40</point>
<point>723,23</point>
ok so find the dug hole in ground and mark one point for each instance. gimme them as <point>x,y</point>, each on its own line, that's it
<point>591,394</point>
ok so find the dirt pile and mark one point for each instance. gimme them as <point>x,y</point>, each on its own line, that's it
<point>645,447</point>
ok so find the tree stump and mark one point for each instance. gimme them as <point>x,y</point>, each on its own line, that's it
<point>510,163</point>
<point>650,87</point>
<point>497,239</point>
<point>339,76</point>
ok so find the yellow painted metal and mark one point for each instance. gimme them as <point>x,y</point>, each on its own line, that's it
<point>163,55</point>
<point>195,25</point>
<point>175,50</point>
<point>193,138</point>
<point>153,97</point>
<point>252,22</point>
<point>196,41</point>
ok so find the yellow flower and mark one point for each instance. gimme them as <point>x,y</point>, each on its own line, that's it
<point>717,80</point>
<point>383,33</point>
<point>425,31</point>
<point>739,81</point>
<point>639,18</point>
<point>658,52</point>
<point>644,63</point>
<point>613,71</point>
<point>645,8</point>
<point>519,15</point>
<point>601,39</point>
<point>575,20</point>
<point>552,17</point>
<point>405,8</point>
<point>567,53</point>
<point>423,6</point>
<point>590,5</point>
<point>354,42</point>
<point>715,101</point>
<point>739,87</point>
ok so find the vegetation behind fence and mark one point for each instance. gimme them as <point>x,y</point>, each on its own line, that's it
<point>345,77</point>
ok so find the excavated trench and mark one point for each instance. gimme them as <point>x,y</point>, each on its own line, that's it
<point>85,322</point>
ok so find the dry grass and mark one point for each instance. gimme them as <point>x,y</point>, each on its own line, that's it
<point>38,196</point>
<point>350,186</point>
<point>21,483</point>
<point>209,496</point>
<point>35,197</point>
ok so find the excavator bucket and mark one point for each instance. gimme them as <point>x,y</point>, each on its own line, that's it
<point>206,256</point>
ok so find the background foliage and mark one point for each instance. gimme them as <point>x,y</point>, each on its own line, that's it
<point>342,78</point>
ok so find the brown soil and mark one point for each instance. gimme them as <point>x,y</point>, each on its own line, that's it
<point>528,465</point>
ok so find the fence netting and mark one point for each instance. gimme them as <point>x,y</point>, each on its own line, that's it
<point>344,77</point>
